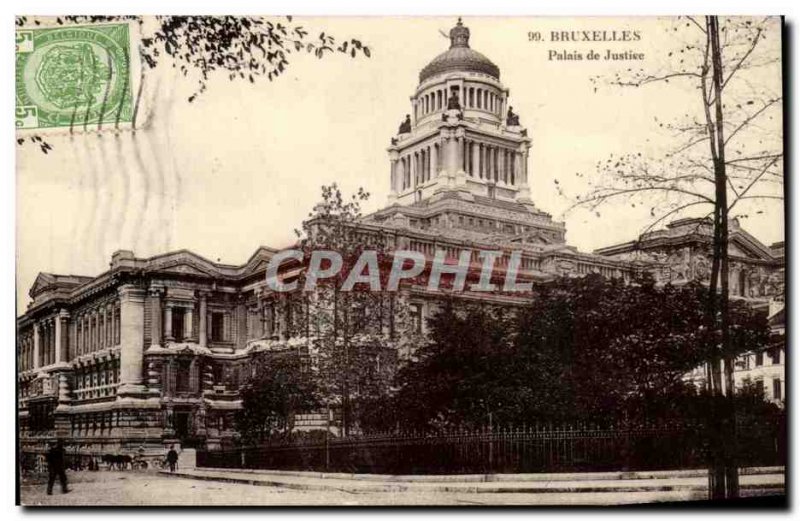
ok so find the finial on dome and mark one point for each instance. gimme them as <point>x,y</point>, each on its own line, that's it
<point>459,35</point>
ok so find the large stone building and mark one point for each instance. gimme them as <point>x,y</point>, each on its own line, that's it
<point>154,350</point>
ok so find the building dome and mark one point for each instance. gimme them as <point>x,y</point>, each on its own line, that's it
<point>459,57</point>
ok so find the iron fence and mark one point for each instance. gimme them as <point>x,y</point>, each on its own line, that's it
<point>515,450</point>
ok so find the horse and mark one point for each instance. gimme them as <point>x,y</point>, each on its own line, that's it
<point>120,462</point>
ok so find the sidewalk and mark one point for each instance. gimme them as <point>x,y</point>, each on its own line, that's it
<point>770,480</point>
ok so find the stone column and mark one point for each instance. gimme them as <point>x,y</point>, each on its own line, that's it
<point>46,342</point>
<point>131,340</point>
<point>62,345</point>
<point>502,165</point>
<point>267,315</point>
<point>37,345</point>
<point>188,326</point>
<point>90,344</point>
<point>476,160</point>
<point>283,333</point>
<point>103,321</point>
<point>202,326</point>
<point>412,160</point>
<point>117,322</point>
<point>435,159</point>
<point>109,325</point>
<point>491,170</point>
<point>452,155</point>
<point>393,184</point>
<point>155,316</point>
<point>460,154</point>
<point>524,169</point>
<point>238,323</point>
<point>521,157</point>
<point>79,335</point>
<point>168,323</point>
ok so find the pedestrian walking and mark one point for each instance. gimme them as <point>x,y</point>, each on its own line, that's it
<point>55,467</point>
<point>172,458</point>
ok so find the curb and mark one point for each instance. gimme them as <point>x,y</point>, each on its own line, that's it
<point>409,487</point>
<point>493,478</point>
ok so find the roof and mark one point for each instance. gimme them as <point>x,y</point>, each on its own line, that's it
<point>459,57</point>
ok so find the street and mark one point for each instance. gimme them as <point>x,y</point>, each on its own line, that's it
<point>133,488</point>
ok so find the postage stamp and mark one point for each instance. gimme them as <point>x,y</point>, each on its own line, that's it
<point>73,77</point>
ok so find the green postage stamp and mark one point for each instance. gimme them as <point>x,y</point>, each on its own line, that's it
<point>73,77</point>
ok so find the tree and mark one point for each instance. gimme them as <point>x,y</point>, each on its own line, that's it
<point>588,349</point>
<point>283,386</point>
<point>355,331</point>
<point>462,376</point>
<point>727,151</point>
<point>243,47</point>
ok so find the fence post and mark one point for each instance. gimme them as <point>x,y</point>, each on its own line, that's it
<point>491,444</point>
<point>327,443</point>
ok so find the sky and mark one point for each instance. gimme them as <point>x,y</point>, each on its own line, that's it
<point>243,164</point>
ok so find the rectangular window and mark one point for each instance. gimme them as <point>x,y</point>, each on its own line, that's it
<point>776,389</point>
<point>217,327</point>
<point>743,362</point>
<point>775,355</point>
<point>416,317</point>
<point>759,359</point>
<point>177,324</point>
<point>183,380</point>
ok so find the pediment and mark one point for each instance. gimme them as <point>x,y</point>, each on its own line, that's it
<point>735,249</point>
<point>184,263</point>
<point>259,260</point>
<point>187,268</point>
<point>748,247</point>
<point>259,266</point>
<point>43,280</point>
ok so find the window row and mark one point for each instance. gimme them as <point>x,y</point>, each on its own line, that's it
<point>96,330</point>
<point>96,381</point>
<point>469,97</point>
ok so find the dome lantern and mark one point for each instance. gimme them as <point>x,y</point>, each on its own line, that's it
<point>460,57</point>
<point>459,35</point>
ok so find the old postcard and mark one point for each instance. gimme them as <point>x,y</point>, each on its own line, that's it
<point>451,260</point>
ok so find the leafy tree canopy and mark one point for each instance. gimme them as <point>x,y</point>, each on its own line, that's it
<point>588,348</point>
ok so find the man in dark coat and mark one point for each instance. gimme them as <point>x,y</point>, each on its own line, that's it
<point>172,458</point>
<point>55,467</point>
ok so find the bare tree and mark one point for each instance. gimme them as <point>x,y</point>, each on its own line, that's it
<point>726,150</point>
<point>356,330</point>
